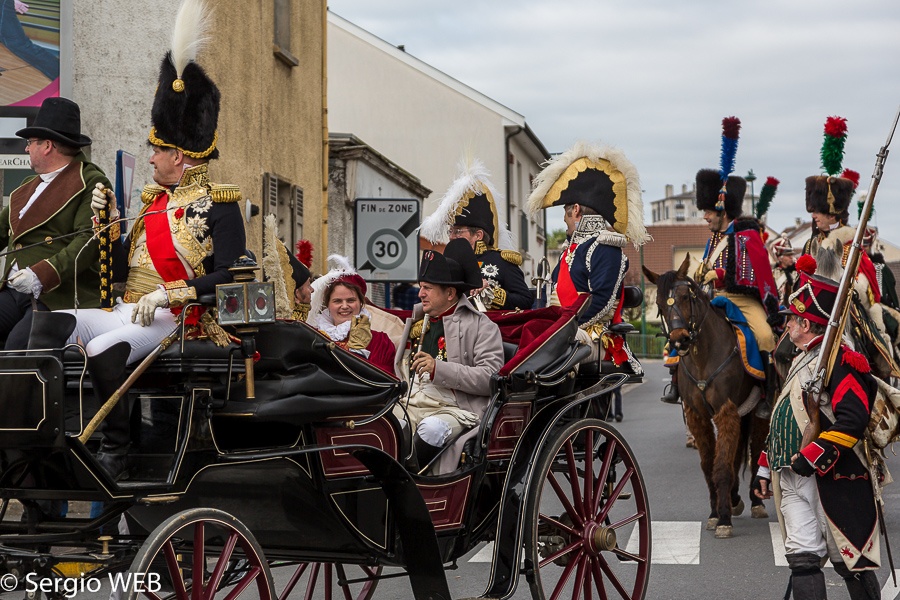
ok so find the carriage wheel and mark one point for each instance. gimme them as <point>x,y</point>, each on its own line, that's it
<point>587,528</point>
<point>333,580</point>
<point>209,542</point>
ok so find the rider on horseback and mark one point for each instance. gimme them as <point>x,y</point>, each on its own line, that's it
<point>735,263</point>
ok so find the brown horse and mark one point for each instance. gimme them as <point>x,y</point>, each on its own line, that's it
<point>715,390</point>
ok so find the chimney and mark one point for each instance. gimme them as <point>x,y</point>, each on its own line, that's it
<point>669,190</point>
<point>684,188</point>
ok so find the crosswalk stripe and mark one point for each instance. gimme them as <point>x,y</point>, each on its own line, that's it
<point>890,591</point>
<point>673,542</point>
<point>778,546</point>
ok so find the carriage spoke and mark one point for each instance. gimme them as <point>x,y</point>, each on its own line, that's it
<point>329,580</point>
<point>579,578</point>
<point>198,563</point>
<point>604,566</point>
<point>564,578</point>
<point>588,471</point>
<point>576,544</point>
<point>564,500</point>
<point>598,579</point>
<point>559,524</point>
<point>311,584</point>
<point>615,494</point>
<point>604,473</point>
<point>301,568</point>
<point>342,576</point>
<point>245,581</point>
<point>573,478</point>
<point>627,520</point>
<point>628,555</point>
<point>175,571</point>
<point>221,564</point>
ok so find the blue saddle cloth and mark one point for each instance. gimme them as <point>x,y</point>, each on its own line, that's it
<point>749,350</point>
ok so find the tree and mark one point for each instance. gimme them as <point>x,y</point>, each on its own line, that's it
<point>556,238</point>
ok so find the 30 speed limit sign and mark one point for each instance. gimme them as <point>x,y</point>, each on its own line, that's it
<point>387,241</point>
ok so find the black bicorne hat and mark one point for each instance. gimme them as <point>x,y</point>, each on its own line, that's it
<point>709,184</point>
<point>478,213</point>
<point>299,272</point>
<point>58,119</point>
<point>457,267</point>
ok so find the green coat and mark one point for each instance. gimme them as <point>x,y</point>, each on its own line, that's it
<point>63,207</point>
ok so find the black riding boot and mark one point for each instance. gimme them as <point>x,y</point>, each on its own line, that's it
<point>764,408</point>
<point>107,371</point>
<point>807,578</point>
<point>425,452</point>
<point>861,585</point>
<point>670,394</point>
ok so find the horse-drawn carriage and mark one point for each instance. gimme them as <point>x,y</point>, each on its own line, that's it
<point>299,463</point>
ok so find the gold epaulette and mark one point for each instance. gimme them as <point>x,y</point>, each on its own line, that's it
<point>224,192</point>
<point>416,330</point>
<point>511,256</point>
<point>150,192</point>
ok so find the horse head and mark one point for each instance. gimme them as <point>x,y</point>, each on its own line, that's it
<point>679,300</point>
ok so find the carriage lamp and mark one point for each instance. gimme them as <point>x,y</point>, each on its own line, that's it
<point>245,303</point>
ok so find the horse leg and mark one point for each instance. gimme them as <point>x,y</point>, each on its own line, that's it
<point>728,424</point>
<point>701,428</point>
<point>759,431</point>
<point>740,462</point>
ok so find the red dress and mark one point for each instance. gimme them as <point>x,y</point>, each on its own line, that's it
<point>381,351</point>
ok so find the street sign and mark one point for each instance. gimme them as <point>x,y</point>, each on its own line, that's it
<point>386,239</point>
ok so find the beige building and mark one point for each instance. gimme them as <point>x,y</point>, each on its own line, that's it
<point>267,58</point>
<point>425,121</point>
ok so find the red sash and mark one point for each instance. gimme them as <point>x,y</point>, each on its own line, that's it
<point>565,289</point>
<point>160,244</point>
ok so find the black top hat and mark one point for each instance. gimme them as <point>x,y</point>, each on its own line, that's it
<point>457,267</point>
<point>709,184</point>
<point>58,119</point>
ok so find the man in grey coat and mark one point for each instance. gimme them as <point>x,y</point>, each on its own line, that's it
<point>454,352</point>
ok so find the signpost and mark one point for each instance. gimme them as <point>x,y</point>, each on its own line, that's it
<point>386,239</point>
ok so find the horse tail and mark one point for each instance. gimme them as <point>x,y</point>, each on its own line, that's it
<point>744,445</point>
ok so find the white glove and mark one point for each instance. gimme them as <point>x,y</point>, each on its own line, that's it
<point>100,199</point>
<point>147,305</point>
<point>24,281</point>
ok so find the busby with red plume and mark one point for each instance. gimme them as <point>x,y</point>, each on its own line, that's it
<point>830,194</point>
<point>185,111</point>
<point>717,189</point>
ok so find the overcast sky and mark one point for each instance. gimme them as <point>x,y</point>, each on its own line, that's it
<point>655,78</point>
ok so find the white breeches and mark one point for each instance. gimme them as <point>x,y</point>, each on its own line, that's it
<point>805,527</point>
<point>98,330</point>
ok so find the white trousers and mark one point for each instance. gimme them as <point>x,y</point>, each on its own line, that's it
<point>98,330</point>
<point>805,527</point>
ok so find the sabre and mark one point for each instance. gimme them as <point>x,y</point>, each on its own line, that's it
<point>426,322</point>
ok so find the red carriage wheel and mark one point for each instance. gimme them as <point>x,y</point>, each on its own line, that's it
<point>332,580</point>
<point>587,531</point>
<point>207,542</point>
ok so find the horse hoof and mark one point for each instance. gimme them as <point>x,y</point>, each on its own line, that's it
<point>759,512</point>
<point>737,509</point>
<point>724,532</point>
<point>711,523</point>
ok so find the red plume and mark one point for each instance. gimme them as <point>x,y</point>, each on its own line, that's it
<point>835,126</point>
<point>806,264</point>
<point>305,253</point>
<point>772,181</point>
<point>731,126</point>
<point>852,176</point>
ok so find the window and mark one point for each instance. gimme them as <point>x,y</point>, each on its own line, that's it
<point>523,231</point>
<point>285,201</point>
<point>282,38</point>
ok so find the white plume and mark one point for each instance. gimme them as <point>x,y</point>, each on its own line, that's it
<point>191,33</point>
<point>272,268</point>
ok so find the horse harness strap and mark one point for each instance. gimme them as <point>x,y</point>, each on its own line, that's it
<point>703,384</point>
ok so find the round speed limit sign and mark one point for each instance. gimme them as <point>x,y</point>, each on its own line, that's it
<point>386,249</point>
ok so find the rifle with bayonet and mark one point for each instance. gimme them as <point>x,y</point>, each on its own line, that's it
<point>831,340</point>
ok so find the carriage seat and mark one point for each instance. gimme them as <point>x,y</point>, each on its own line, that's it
<point>509,350</point>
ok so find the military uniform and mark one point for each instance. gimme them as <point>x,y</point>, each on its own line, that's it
<point>469,203</point>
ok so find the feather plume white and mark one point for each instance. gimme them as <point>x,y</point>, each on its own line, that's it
<point>553,170</point>
<point>191,33</point>
<point>473,177</point>
<point>317,302</point>
<point>271,262</point>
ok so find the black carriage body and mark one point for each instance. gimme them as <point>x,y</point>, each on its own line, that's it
<point>313,465</point>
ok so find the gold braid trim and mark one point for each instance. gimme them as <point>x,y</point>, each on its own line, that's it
<point>511,256</point>
<point>416,330</point>
<point>225,192</point>
<point>156,141</point>
<point>150,192</point>
<point>301,311</point>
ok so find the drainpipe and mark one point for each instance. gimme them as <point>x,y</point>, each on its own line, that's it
<point>323,251</point>
<point>509,136</point>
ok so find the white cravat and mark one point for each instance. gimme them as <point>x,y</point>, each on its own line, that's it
<point>46,178</point>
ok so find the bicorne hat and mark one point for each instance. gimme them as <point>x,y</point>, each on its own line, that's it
<point>185,111</point>
<point>598,177</point>
<point>58,119</point>
<point>470,201</point>
<point>782,247</point>
<point>457,267</point>
<point>719,190</point>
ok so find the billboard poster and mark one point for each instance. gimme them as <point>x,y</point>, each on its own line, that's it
<point>29,51</point>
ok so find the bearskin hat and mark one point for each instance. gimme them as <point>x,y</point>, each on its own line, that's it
<point>709,184</point>
<point>185,111</point>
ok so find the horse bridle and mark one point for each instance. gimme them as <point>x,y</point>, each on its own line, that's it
<point>693,328</point>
